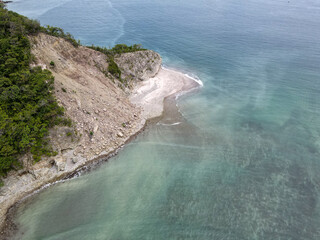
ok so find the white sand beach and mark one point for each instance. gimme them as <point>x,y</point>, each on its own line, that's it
<point>149,95</point>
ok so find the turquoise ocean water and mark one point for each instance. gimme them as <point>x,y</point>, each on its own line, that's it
<point>246,162</point>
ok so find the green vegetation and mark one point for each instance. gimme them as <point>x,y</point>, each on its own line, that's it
<point>118,49</point>
<point>91,133</point>
<point>52,64</point>
<point>63,90</point>
<point>114,69</point>
<point>123,48</point>
<point>27,106</point>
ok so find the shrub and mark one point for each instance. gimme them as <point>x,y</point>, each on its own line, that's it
<point>114,69</point>
<point>52,64</point>
<point>118,49</point>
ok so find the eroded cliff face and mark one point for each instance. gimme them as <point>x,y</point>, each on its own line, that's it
<point>141,65</point>
<point>103,117</point>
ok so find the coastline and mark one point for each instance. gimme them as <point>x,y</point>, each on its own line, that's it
<point>150,97</point>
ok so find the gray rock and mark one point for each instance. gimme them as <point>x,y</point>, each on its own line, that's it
<point>60,163</point>
<point>140,65</point>
<point>74,160</point>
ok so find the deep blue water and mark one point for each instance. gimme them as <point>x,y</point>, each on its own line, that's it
<point>246,163</point>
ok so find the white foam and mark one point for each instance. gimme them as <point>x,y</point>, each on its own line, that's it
<point>192,76</point>
<point>172,124</point>
<point>195,78</point>
<point>181,94</point>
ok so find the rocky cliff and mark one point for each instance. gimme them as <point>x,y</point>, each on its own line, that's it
<point>140,65</point>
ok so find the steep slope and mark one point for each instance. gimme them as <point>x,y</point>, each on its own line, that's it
<point>103,117</point>
<point>95,103</point>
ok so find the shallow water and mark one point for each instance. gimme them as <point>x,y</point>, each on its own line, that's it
<point>245,162</point>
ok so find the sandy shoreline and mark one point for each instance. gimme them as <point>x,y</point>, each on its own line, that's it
<point>149,96</point>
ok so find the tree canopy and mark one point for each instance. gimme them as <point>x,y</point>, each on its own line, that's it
<point>28,107</point>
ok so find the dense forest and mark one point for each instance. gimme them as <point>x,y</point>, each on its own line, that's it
<point>28,107</point>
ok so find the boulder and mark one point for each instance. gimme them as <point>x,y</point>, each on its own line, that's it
<point>74,160</point>
<point>60,163</point>
<point>120,134</point>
